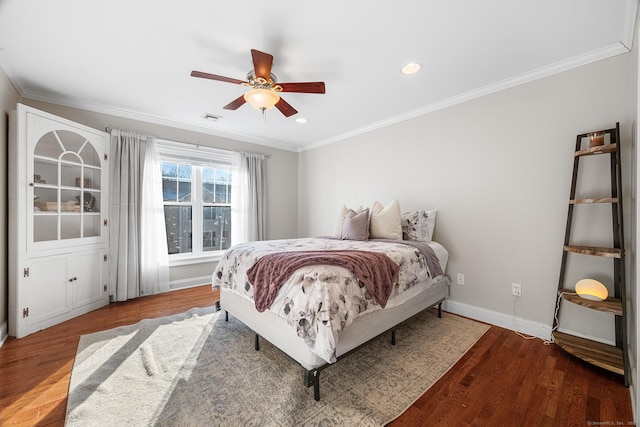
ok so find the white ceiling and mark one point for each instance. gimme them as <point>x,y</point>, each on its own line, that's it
<point>132,58</point>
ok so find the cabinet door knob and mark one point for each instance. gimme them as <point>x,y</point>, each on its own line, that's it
<point>73,279</point>
<point>31,184</point>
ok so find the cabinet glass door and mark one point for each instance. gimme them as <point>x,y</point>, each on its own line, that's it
<point>66,187</point>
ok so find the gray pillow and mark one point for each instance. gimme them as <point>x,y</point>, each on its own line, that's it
<point>356,225</point>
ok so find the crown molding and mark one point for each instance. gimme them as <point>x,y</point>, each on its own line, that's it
<point>162,121</point>
<point>609,51</point>
<point>558,67</point>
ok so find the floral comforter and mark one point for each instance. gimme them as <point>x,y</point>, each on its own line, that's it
<point>319,301</point>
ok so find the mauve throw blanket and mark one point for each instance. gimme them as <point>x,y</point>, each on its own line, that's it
<point>376,270</point>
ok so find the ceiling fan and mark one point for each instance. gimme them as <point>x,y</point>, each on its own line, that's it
<point>265,88</point>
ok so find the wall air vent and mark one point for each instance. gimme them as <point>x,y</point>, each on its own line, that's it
<point>212,117</point>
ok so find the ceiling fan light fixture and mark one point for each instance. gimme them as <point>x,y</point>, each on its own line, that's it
<point>262,99</point>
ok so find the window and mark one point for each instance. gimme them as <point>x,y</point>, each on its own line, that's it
<point>196,189</point>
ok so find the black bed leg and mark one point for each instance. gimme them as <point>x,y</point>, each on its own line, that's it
<point>226,316</point>
<point>440,310</point>
<point>316,385</point>
<point>307,378</point>
<point>312,378</point>
<point>393,337</point>
<point>257,343</point>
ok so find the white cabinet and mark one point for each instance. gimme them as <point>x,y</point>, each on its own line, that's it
<point>58,236</point>
<point>45,289</point>
<point>57,285</point>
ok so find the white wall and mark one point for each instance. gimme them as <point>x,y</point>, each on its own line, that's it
<point>8,98</point>
<point>498,170</point>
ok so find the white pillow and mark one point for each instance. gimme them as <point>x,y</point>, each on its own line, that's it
<point>337,233</point>
<point>385,221</point>
<point>431,222</point>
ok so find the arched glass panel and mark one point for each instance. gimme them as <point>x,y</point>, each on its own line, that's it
<point>67,187</point>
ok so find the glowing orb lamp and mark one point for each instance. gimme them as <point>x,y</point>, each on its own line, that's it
<point>591,289</point>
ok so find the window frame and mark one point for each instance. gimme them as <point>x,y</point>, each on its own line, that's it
<point>198,157</point>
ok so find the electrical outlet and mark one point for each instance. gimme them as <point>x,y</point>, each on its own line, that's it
<point>460,279</point>
<point>516,289</point>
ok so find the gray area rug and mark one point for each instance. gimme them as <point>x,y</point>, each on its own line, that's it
<point>195,369</point>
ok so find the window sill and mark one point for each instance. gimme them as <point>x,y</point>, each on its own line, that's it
<point>180,261</point>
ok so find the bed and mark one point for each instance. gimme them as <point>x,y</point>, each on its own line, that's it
<point>321,312</point>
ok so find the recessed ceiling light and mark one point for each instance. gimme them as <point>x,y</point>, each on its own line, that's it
<point>301,120</point>
<point>411,68</point>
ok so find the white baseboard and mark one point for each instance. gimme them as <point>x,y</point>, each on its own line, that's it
<point>191,282</point>
<point>524,326</point>
<point>4,333</point>
<point>517,324</point>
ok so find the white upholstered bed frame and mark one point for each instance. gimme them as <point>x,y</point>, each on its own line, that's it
<point>366,327</point>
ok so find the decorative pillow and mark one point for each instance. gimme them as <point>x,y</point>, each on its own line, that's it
<point>431,222</point>
<point>337,233</point>
<point>385,221</point>
<point>356,225</point>
<point>419,225</point>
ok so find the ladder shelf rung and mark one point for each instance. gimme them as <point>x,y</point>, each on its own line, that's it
<point>610,305</point>
<point>603,355</point>
<point>601,149</point>
<point>594,200</point>
<point>593,250</point>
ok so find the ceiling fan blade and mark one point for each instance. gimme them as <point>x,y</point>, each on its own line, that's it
<point>216,77</point>
<point>285,108</point>
<point>262,64</point>
<point>235,104</point>
<point>307,87</point>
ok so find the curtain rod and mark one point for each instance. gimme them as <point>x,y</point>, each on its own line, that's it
<point>268,156</point>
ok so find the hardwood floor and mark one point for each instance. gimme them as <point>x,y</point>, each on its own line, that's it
<point>503,380</point>
<point>507,380</point>
<point>35,370</point>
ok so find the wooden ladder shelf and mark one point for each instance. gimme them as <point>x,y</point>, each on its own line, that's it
<point>610,357</point>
